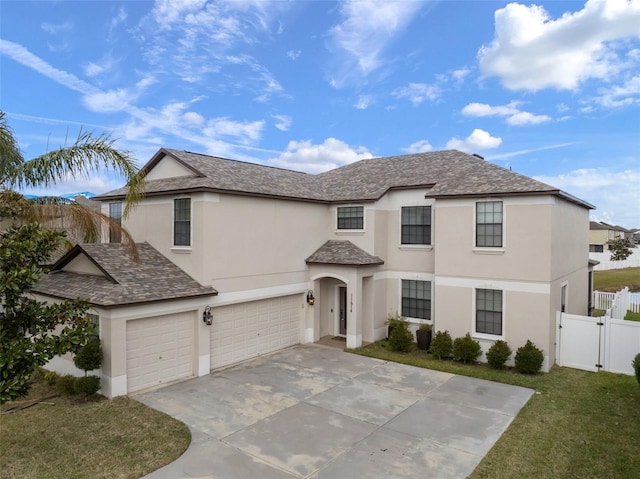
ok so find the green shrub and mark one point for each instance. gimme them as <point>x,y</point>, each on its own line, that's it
<point>441,345</point>
<point>636,366</point>
<point>87,385</point>
<point>66,384</point>
<point>528,359</point>
<point>498,354</point>
<point>51,377</point>
<point>401,339</point>
<point>466,349</point>
<point>89,357</point>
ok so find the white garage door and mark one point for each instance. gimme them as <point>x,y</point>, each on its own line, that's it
<point>245,330</point>
<point>159,350</point>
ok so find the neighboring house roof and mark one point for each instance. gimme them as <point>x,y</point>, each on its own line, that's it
<point>449,173</point>
<point>123,281</point>
<point>344,253</point>
<point>594,225</point>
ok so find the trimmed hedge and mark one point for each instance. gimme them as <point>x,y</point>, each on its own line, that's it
<point>441,345</point>
<point>498,354</point>
<point>528,359</point>
<point>466,349</point>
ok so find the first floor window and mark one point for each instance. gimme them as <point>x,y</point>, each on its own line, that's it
<point>416,225</point>
<point>489,311</point>
<point>416,299</point>
<point>115,213</point>
<point>182,222</point>
<point>95,320</point>
<point>489,224</point>
<point>351,218</point>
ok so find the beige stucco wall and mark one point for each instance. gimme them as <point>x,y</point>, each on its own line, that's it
<point>598,236</point>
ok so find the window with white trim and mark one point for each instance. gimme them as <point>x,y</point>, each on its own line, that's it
<point>115,213</point>
<point>489,224</point>
<point>182,222</point>
<point>351,217</point>
<point>416,225</point>
<point>416,299</point>
<point>489,311</point>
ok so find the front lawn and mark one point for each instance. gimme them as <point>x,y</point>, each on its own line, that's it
<point>67,438</point>
<point>614,280</point>
<point>577,424</point>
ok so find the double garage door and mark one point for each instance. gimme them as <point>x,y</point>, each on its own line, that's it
<point>246,330</point>
<point>161,349</point>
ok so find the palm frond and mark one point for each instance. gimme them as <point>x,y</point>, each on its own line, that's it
<point>10,156</point>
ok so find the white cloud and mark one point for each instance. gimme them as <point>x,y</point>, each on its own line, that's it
<point>283,122</point>
<point>418,92</point>
<point>146,82</point>
<point>248,132</point>
<point>108,101</point>
<point>294,54</point>
<point>477,140</point>
<point>364,101</point>
<point>532,51</point>
<point>514,116</point>
<point>310,158</point>
<point>100,67</point>
<point>54,29</point>
<point>615,194</point>
<point>193,119</point>
<point>622,95</point>
<point>362,36</point>
<point>460,74</point>
<point>419,146</point>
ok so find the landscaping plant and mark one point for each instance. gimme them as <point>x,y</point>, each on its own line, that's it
<point>528,359</point>
<point>90,355</point>
<point>401,338</point>
<point>636,366</point>
<point>441,345</point>
<point>466,349</point>
<point>498,354</point>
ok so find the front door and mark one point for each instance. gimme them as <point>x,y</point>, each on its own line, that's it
<point>343,311</point>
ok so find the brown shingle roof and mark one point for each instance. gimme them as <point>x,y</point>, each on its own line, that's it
<point>343,252</point>
<point>153,278</point>
<point>442,173</point>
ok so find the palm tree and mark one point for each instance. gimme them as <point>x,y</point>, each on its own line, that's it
<point>88,155</point>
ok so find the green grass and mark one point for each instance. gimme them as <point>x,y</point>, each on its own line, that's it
<point>577,424</point>
<point>119,438</point>
<point>631,316</point>
<point>615,279</point>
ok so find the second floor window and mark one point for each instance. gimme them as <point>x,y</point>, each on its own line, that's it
<point>351,217</point>
<point>115,213</point>
<point>416,225</point>
<point>489,224</point>
<point>182,222</point>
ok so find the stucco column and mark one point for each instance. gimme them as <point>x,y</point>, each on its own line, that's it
<point>354,311</point>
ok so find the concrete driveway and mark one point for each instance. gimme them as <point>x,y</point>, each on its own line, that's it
<point>317,412</point>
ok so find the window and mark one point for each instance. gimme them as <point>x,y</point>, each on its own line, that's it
<point>489,311</point>
<point>489,224</point>
<point>94,319</point>
<point>182,222</point>
<point>416,299</point>
<point>351,218</point>
<point>115,213</point>
<point>563,298</point>
<point>416,225</point>
<point>596,248</point>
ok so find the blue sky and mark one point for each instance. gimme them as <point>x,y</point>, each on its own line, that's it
<point>551,89</point>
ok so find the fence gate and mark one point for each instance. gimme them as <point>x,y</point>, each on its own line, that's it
<point>580,341</point>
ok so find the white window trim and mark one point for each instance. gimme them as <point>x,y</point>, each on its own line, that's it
<point>492,337</point>
<point>179,248</point>
<point>414,247</point>
<point>489,249</point>
<point>354,231</point>
<point>564,284</point>
<point>410,319</point>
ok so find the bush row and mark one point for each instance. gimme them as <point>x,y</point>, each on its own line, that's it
<point>69,385</point>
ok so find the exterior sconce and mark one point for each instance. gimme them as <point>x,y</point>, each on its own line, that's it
<point>207,317</point>
<point>310,298</point>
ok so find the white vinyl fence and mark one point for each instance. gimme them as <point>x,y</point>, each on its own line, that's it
<point>607,343</point>
<point>604,301</point>
<point>632,261</point>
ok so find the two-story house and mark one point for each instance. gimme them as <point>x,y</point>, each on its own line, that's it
<point>266,258</point>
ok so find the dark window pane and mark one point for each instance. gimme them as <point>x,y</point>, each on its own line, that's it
<point>489,311</point>
<point>182,222</point>
<point>416,225</point>
<point>489,224</point>
<point>416,299</point>
<point>115,213</point>
<point>351,218</point>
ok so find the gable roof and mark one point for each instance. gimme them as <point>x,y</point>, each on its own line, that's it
<point>449,173</point>
<point>343,252</point>
<point>123,281</point>
<point>594,225</point>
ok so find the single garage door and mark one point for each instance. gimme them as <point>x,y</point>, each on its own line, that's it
<point>159,350</point>
<point>245,330</point>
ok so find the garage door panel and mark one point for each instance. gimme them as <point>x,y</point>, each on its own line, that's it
<point>245,330</point>
<point>159,350</point>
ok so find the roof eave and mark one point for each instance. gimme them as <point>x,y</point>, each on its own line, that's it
<point>558,193</point>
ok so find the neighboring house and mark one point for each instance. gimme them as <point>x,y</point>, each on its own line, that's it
<point>602,234</point>
<point>443,237</point>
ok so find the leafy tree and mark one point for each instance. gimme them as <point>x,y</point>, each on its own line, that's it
<point>620,249</point>
<point>33,332</point>
<point>90,356</point>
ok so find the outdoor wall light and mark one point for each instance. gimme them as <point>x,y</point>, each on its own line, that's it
<point>207,317</point>
<point>310,298</point>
